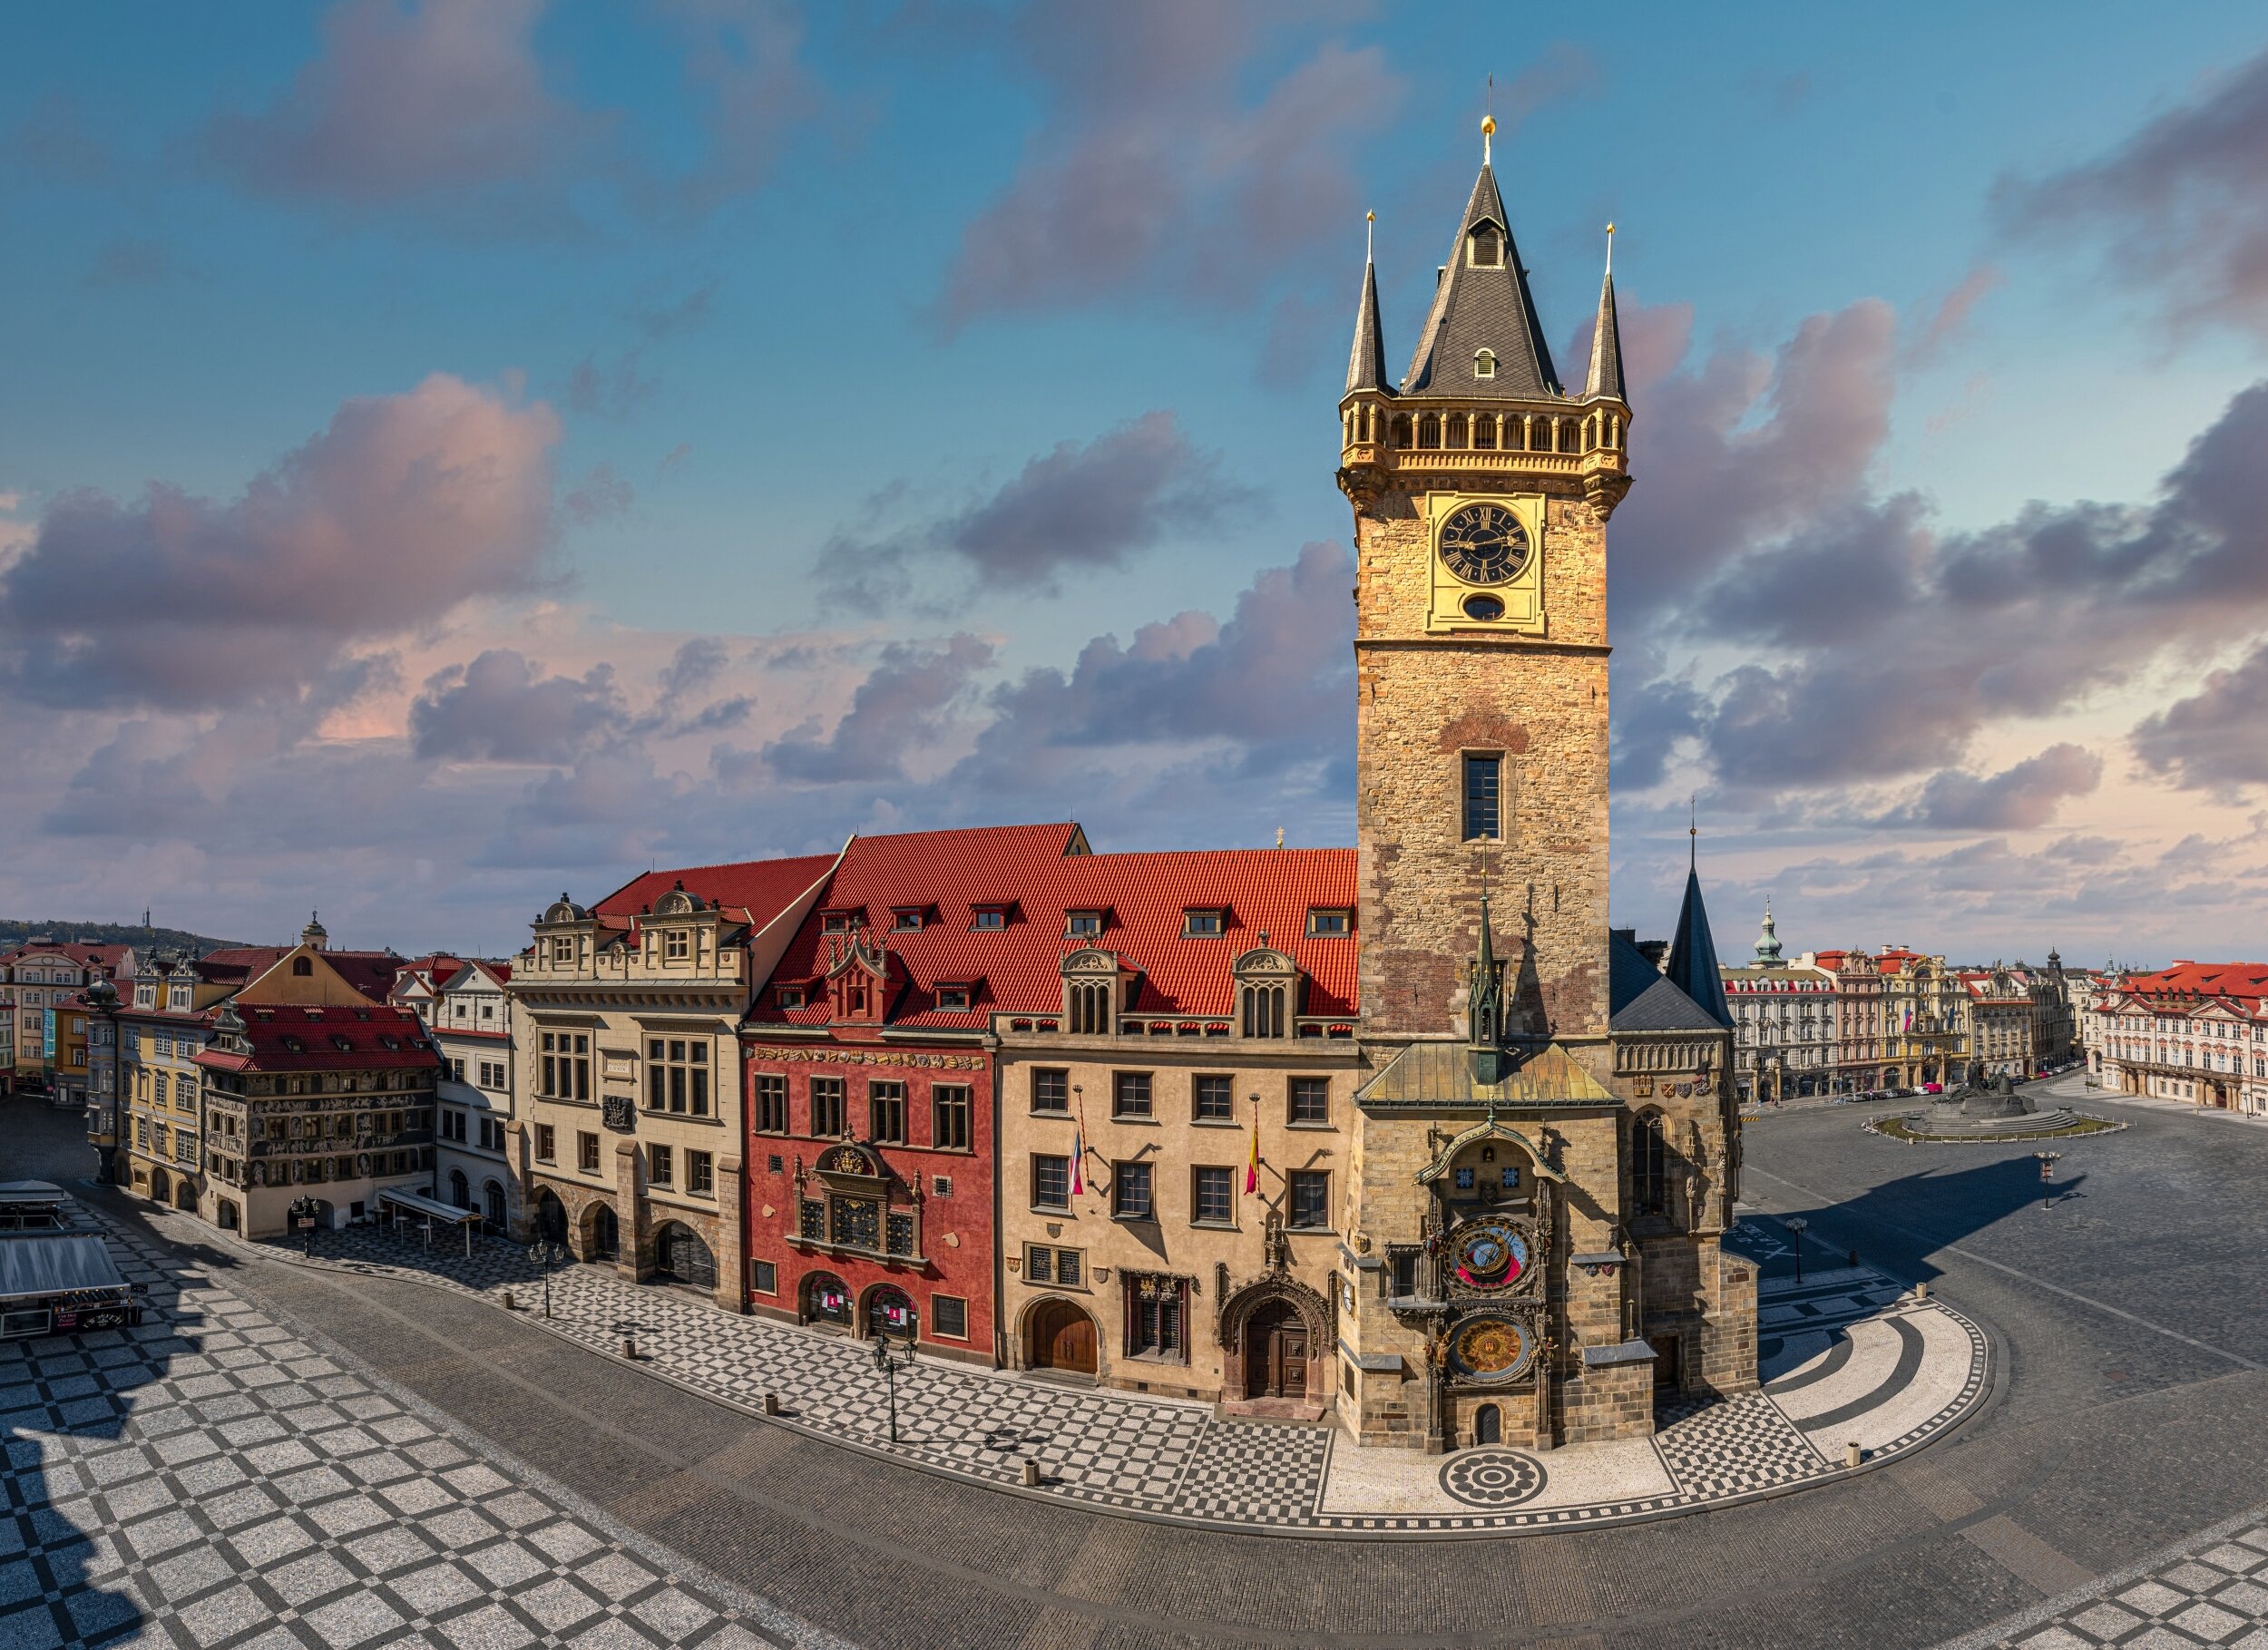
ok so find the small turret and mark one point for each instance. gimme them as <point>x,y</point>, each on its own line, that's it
<point>1485,1008</point>
<point>1604,381</point>
<point>314,936</point>
<point>1770,953</point>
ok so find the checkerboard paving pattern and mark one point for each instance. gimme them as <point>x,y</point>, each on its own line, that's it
<point>1119,1450</point>
<point>1733,1448</point>
<point>2213,1592</point>
<point>207,1479</point>
<point>1255,1473</point>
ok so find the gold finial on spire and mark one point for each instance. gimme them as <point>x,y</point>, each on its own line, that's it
<point>1610,249</point>
<point>1488,120</point>
<point>1369,224</point>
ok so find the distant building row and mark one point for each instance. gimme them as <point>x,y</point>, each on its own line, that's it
<point>2196,1031</point>
<point>1856,1021</point>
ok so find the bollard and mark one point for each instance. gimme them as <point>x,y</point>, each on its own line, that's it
<point>1922,1291</point>
<point>1852,1455</point>
<point>508,1305</point>
<point>630,1349</point>
<point>1854,1257</point>
<point>771,1403</point>
<point>1030,1473</point>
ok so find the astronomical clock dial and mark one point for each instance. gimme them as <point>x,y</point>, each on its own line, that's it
<point>1490,1254</point>
<point>1483,544</point>
<point>1491,1348</point>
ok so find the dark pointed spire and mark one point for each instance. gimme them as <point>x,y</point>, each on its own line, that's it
<point>1366,362</point>
<point>1484,1005</point>
<point>1605,378</point>
<point>1482,303</point>
<point>1693,951</point>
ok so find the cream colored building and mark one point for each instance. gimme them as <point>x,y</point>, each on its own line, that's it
<point>629,1131</point>
<point>1158,1270</point>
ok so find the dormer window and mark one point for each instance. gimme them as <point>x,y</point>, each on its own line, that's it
<point>989,918</point>
<point>677,945</point>
<point>562,949</point>
<point>1485,249</point>
<point>835,923</point>
<point>906,920</point>
<point>953,997</point>
<point>790,996</point>
<point>302,966</point>
<point>1327,924</point>
<point>1202,923</point>
<point>1484,366</point>
<point>1082,923</point>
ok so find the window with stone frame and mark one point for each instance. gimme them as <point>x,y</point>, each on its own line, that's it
<point>1051,1181</point>
<point>1311,1100</point>
<point>661,1167</point>
<point>948,1317</point>
<point>1213,1098</point>
<point>886,1110</point>
<point>676,1076</point>
<point>1130,1094</point>
<point>546,1143</point>
<point>1310,1199</point>
<point>566,1065</point>
<point>1050,1089</point>
<point>771,1103</point>
<point>1483,796</point>
<point>1212,1195</point>
<point>1156,1312</point>
<point>826,1108</point>
<point>949,1110</point>
<point>1130,1192</point>
<point>587,1152</point>
<point>700,1173</point>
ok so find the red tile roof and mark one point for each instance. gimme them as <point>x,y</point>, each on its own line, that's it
<point>291,1038</point>
<point>240,963</point>
<point>949,874</point>
<point>753,892</point>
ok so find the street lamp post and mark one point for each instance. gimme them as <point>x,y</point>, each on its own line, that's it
<point>547,1253</point>
<point>303,1211</point>
<point>889,1364</point>
<point>2047,1161</point>
<point>1796,1223</point>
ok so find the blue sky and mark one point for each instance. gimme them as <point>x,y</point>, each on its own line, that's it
<point>890,358</point>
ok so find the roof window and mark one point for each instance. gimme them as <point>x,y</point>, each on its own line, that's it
<point>1086,923</point>
<point>1485,248</point>
<point>837,922</point>
<point>953,997</point>
<point>1330,922</point>
<point>1203,923</point>
<point>788,996</point>
<point>908,919</point>
<point>988,919</point>
<point>1485,365</point>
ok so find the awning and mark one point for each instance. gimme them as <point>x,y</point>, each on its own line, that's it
<point>433,1208</point>
<point>16,1192</point>
<point>43,1265</point>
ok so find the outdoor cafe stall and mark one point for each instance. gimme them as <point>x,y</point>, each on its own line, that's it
<point>398,1205</point>
<point>32,1205</point>
<point>60,1282</point>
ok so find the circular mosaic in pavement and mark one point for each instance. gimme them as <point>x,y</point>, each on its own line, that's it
<point>1492,1478</point>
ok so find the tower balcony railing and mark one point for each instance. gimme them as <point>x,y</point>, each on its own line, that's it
<point>1574,441</point>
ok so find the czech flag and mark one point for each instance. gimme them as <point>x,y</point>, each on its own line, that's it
<point>1252,1161</point>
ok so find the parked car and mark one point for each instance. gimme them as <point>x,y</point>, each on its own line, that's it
<point>1933,1088</point>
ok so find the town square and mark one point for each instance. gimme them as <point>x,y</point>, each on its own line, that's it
<point>753,903</point>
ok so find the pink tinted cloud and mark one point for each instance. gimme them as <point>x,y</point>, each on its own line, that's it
<point>404,507</point>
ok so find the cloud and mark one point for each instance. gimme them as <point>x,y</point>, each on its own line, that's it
<point>2019,798</point>
<point>600,494</point>
<point>1097,506</point>
<point>1950,319</point>
<point>2177,208</point>
<point>2217,739</point>
<point>500,708</point>
<point>743,76</point>
<point>435,101</point>
<point>905,706</point>
<point>1175,157</point>
<point>404,506</point>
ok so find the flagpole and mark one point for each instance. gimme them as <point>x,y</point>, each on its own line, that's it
<point>1079,1144</point>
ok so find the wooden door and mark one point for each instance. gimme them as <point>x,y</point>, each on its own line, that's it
<point>1276,1353</point>
<point>1063,1338</point>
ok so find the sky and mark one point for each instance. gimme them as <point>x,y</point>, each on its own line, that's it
<point>457,451</point>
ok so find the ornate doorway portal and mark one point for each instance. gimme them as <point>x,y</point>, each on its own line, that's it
<point>1276,1352</point>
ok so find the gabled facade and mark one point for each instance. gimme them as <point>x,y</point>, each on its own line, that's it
<point>469,1013</point>
<point>627,1097</point>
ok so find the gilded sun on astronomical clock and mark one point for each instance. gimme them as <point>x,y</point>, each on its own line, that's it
<point>1483,544</point>
<point>1492,1349</point>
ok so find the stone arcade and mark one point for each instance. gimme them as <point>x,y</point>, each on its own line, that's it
<point>1548,1148</point>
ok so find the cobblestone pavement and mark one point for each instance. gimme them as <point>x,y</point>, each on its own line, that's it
<point>1895,1374</point>
<point>2212,1589</point>
<point>210,1479</point>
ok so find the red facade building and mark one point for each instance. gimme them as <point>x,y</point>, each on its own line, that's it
<point>870,1085</point>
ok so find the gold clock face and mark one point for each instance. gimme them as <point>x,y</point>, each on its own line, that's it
<point>1484,544</point>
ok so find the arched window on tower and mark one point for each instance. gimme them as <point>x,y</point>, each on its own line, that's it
<point>1650,1165</point>
<point>1456,429</point>
<point>1484,364</point>
<point>1515,431</point>
<point>1402,429</point>
<point>1430,430</point>
<point>1264,1011</point>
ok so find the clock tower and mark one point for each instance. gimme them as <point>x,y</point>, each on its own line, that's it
<point>1545,1154</point>
<point>1481,488</point>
